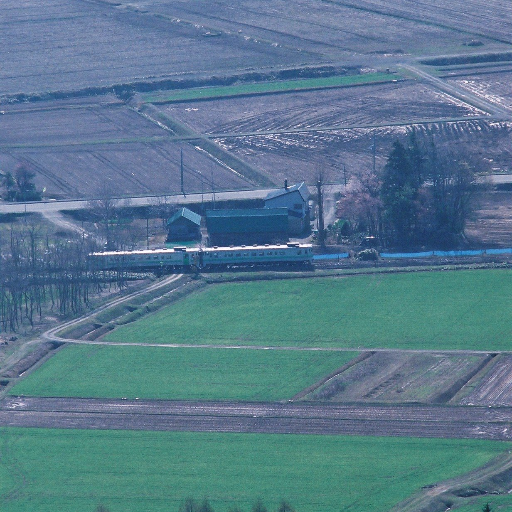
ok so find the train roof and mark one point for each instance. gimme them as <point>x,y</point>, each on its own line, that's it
<point>205,249</point>
<point>258,247</point>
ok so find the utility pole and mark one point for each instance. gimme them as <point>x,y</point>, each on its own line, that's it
<point>321,230</point>
<point>373,152</point>
<point>213,191</point>
<point>181,169</point>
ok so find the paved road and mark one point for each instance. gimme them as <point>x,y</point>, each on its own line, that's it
<point>295,418</point>
<point>80,204</point>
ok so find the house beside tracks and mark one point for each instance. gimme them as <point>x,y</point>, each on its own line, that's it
<point>184,225</point>
<point>296,199</point>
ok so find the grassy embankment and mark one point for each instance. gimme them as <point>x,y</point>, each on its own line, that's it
<point>62,470</point>
<point>205,93</point>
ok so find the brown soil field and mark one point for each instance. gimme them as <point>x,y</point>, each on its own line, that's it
<point>65,45</point>
<point>467,379</point>
<point>300,156</point>
<point>80,147</point>
<point>70,47</point>
<point>340,29</point>
<point>402,377</point>
<point>302,132</point>
<point>382,104</point>
<point>491,224</point>
<point>492,386</point>
<point>77,146</point>
<point>290,418</point>
<point>493,86</point>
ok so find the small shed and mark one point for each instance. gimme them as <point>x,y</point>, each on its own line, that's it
<point>247,226</point>
<point>296,199</point>
<point>184,225</point>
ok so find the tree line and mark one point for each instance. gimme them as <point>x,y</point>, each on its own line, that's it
<point>19,185</point>
<point>192,505</point>
<point>425,194</point>
<point>40,273</point>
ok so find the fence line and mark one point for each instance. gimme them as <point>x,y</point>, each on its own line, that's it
<point>425,254</point>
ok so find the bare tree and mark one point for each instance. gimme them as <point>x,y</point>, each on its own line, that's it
<point>361,204</point>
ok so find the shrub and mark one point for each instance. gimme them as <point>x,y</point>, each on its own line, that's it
<point>368,255</point>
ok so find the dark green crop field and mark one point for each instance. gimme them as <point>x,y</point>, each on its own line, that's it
<point>179,373</point>
<point>75,470</point>
<point>429,310</point>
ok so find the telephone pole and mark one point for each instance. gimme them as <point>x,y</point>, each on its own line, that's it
<point>181,169</point>
<point>321,230</point>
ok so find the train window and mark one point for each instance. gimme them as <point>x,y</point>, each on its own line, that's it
<point>237,255</point>
<point>299,252</point>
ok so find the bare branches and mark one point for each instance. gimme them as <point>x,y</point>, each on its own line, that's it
<point>37,275</point>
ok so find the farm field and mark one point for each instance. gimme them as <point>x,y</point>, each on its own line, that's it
<point>77,147</point>
<point>101,45</point>
<point>374,28</point>
<point>462,310</point>
<point>404,377</point>
<point>492,387</point>
<point>292,135</point>
<point>280,86</point>
<point>492,86</point>
<point>107,44</point>
<point>492,222</point>
<point>86,52</point>
<point>178,374</point>
<point>345,107</point>
<point>156,471</point>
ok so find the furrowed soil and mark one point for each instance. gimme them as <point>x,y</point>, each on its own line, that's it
<point>76,146</point>
<point>106,45</point>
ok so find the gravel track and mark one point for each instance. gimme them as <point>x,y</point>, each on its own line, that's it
<point>290,418</point>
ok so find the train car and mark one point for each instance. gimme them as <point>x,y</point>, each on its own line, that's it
<point>291,253</point>
<point>165,260</point>
<point>188,258</point>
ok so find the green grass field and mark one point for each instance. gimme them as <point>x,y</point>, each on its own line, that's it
<point>435,310</point>
<point>74,470</point>
<point>203,93</point>
<point>179,373</point>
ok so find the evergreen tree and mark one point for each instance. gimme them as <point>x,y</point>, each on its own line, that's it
<point>399,194</point>
<point>259,507</point>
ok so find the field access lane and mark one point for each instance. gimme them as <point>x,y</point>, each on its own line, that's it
<point>293,418</point>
